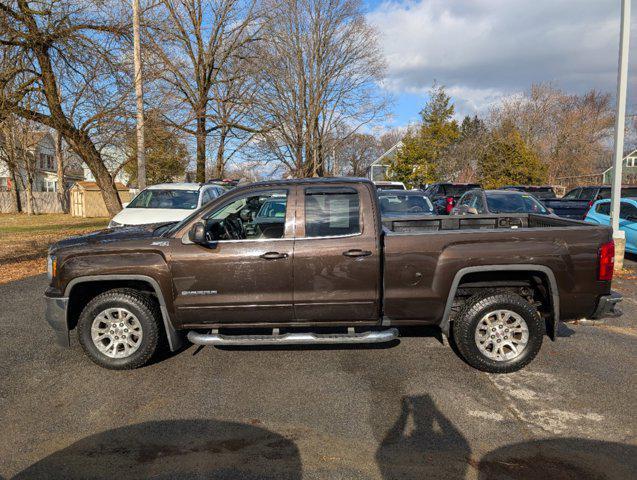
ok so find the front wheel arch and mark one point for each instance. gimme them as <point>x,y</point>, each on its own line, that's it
<point>82,290</point>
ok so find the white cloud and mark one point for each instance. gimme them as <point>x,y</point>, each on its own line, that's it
<point>482,49</point>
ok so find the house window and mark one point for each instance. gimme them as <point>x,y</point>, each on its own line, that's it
<point>5,184</point>
<point>46,161</point>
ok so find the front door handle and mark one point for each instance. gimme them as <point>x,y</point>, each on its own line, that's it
<point>273,255</point>
<point>356,252</point>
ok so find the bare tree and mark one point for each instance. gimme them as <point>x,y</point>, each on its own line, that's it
<point>193,40</point>
<point>320,68</point>
<point>19,140</point>
<point>569,132</point>
<point>70,53</point>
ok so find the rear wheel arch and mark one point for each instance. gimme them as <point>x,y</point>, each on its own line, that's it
<point>82,290</point>
<point>541,271</point>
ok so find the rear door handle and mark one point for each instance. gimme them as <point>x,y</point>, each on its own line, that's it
<point>357,253</point>
<point>273,255</point>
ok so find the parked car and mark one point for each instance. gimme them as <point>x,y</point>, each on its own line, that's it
<point>444,196</point>
<point>166,202</point>
<point>383,185</point>
<point>600,214</point>
<point>540,192</point>
<point>404,204</point>
<point>498,201</point>
<point>333,275</point>
<point>576,203</point>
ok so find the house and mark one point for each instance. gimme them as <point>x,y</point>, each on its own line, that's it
<point>377,171</point>
<point>629,170</point>
<point>41,147</point>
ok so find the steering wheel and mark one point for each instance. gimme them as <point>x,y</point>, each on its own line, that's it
<point>416,209</point>
<point>233,227</point>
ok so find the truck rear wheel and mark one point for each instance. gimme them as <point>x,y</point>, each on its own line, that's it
<point>498,332</point>
<point>118,329</point>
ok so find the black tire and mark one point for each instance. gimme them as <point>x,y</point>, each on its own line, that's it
<point>140,305</point>
<point>467,320</point>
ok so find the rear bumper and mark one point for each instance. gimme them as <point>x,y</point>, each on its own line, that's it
<point>607,306</point>
<point>56,308</point>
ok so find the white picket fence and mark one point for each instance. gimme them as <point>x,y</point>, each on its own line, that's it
<point>43,202</point>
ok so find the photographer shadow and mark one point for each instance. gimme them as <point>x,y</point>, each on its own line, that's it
<point>422,444</point>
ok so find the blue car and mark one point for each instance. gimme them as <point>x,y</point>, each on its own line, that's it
<point>600,213</point>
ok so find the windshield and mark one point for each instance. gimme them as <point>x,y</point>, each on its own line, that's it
<point>396,205</point>
<point>514,203</point>
<point>171,199</point>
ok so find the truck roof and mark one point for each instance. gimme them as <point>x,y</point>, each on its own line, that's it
<point>301,181</point>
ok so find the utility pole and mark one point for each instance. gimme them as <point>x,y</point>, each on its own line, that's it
<point>139,94</point>
<point>620,125</point>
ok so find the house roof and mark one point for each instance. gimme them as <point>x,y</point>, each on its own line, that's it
<point>92,186</point>
<point>380,159</point>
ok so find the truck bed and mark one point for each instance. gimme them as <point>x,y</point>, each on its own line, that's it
<point>424,256</point>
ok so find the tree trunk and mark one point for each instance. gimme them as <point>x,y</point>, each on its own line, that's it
<point>29,192</point>
<point>220,166</point>
<point>84,147</point>
<point>201,149</point>
<point>61,184</point>
<point>15,189</point>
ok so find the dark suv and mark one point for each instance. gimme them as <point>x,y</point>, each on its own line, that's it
<point>444,195</point>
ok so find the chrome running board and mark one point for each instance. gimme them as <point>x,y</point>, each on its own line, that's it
<point>379,336</point>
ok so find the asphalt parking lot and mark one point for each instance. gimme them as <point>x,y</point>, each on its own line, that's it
<point>410,411</point>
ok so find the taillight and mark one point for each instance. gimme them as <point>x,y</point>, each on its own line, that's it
<point>449,204</point>
<point>606,257</point>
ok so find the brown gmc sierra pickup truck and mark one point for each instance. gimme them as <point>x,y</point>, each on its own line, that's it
<point>310,261</point>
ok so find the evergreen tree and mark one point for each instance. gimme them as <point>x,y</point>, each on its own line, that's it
<point>166,154</point>
<point>508,160</point>
<point>424,147</point>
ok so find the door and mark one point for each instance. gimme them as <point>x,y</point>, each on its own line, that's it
<point>628,223</point>
<point>336,256</point>
<point>244,273</point>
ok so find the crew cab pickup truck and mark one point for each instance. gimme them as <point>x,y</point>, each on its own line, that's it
<point>324,269</point>
<point>578,201</point>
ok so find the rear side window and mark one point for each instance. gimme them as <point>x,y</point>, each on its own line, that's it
<point>458,190</point>
<point>331,211</point>
<point>587,194</point>
<point>629,192</point>
<point>603,208</point>
<point>627,211</point>
<point>573,193</point>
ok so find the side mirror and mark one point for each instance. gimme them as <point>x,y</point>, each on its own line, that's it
<point>550,210</point>
<point>197,233</point>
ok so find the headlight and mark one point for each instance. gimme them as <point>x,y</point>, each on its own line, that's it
<point>113,224</point>
<point>51,266</point>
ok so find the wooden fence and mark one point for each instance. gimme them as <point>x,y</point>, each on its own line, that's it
<point>43,202</point>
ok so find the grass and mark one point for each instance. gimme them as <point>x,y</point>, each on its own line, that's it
<point>24,240</point>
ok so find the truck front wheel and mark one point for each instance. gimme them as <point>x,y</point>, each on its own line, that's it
<point>498,332</point>
<point>118,329</point>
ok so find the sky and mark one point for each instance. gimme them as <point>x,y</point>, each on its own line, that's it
<point>483,50</point>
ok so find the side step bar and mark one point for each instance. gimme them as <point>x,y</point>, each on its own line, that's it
<point>293,338</point>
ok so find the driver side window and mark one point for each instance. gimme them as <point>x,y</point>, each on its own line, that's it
<point>254,216</point>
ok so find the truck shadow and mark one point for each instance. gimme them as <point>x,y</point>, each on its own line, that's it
<point>175,449</point>
<point>560,458</point>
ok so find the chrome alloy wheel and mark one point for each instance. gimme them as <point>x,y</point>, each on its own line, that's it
<point>116,332</point>
<point>502,335</point>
